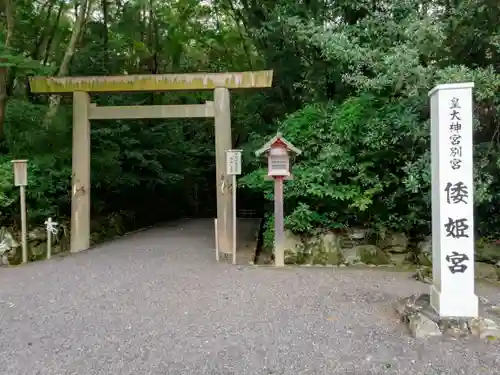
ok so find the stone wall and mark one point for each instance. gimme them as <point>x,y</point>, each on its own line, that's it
<point>10,244</point>
<point>360,246</point>
<point>351,247</point>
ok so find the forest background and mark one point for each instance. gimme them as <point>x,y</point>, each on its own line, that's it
<point>351,79</point>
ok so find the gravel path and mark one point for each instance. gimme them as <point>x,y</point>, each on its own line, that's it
<point>156,303</point>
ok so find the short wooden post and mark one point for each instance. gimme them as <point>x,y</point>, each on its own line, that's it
<point>21,180</point>
<point>233,168</point>
<point>216,241</point>
<point>80,197</point>
<point>24,231</point>
<point>51,228</point>
<point>49,244</point>
<point>279,225</point>
<point>234,219</point>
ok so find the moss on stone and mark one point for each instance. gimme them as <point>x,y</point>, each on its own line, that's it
<point>291,257</point>
<point>487,252</point>
<point>371,254</point>
<point>394,242</point>
<point>399,258</point>
<point>304,258</point>
<point>324,248</point>
<point>319,258</point>
<point>350,256</point>
<point>335,258</point>
<point>294,248</point>
<point>318,254</point>
<point>424,259</point>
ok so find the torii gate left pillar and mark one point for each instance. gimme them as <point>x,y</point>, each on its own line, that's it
<point>84,111</point>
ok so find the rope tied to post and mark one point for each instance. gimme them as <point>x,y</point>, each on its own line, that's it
<point>51,226</point>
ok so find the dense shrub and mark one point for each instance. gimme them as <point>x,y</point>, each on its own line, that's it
<point>366,163</point>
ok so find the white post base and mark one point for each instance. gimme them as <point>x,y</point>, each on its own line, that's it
<point>279,257</point>
<point>454,304</point>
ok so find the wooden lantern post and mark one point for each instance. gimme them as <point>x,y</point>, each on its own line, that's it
<point>21,180</point>
<point>278,152</point>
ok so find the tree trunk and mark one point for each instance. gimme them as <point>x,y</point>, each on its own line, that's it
<point>105,34</point>
<point>119,8</point>
<point>152,44</point>
<point>4,71</point>
<point>84,23</point>
<point>42,38</point>
<point>50,36</point>
<point>55,100</point>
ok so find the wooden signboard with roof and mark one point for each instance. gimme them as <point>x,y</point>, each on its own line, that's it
<point>278,151</point>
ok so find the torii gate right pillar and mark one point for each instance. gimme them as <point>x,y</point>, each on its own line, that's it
<point>223,142</point>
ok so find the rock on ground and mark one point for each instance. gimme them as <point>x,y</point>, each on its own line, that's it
<point>157,303</point>
<point>423,321</point>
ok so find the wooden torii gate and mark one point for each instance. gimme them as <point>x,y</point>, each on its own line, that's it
<point>84,111</point>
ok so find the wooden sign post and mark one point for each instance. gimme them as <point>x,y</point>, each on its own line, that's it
<point>452,292</point>
<point>233,168</point>
<point>278,152</point>
<point>21,180</point>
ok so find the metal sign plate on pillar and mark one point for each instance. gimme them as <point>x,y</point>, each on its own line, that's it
<point>233,162</point>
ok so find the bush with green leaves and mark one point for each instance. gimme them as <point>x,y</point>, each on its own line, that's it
<point>365,162</point>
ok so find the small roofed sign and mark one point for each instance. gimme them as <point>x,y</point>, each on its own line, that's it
<point>278,151</point>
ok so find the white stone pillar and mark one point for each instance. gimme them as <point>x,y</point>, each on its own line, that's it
<point>452,292</point>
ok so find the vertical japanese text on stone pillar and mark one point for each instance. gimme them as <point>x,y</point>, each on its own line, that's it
<point>452,291</point>
<point>457,192</point>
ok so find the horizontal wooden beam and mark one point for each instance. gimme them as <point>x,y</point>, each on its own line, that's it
<point>153,82</point>
<point>151,111</point>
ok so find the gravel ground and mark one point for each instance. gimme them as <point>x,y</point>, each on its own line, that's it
<point>157,303</point>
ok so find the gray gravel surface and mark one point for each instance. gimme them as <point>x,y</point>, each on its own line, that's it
<point>157,303</point>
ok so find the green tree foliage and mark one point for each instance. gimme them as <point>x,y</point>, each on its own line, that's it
<point>368,66</point>
<point>350,89</point>
<point>355,166</point>
<point>142,171</point>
